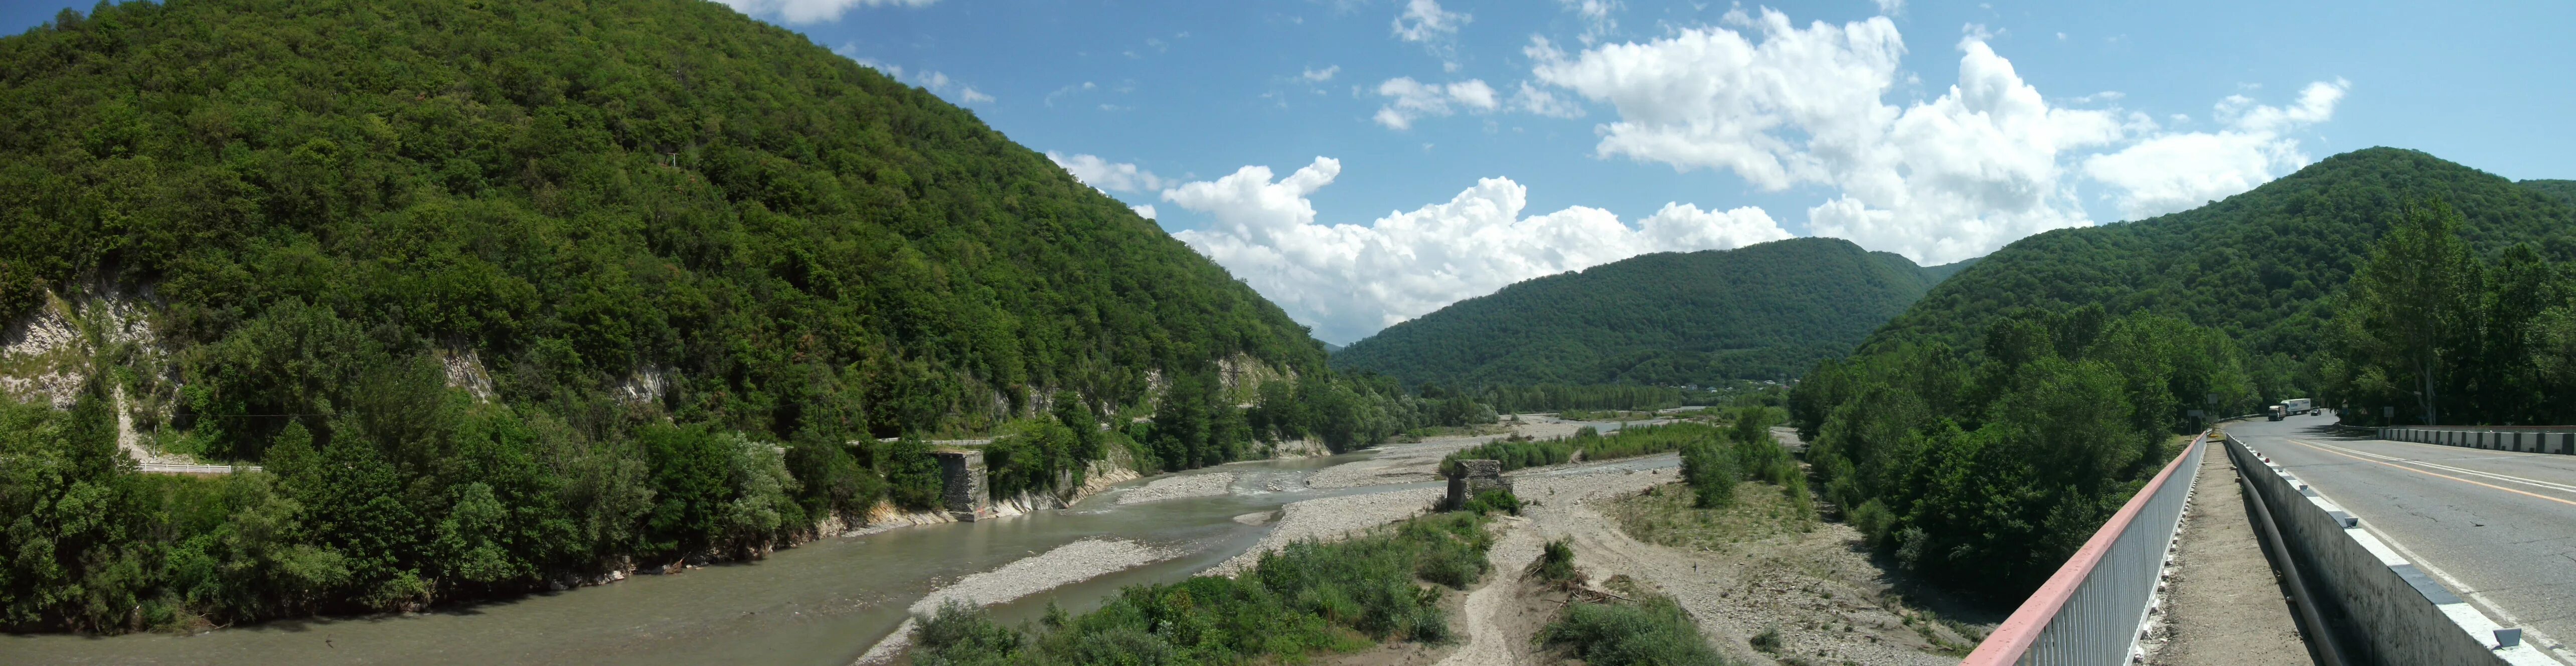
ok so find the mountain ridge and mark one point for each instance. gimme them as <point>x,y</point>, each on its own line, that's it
<point>2258,265</point>
<point>1667,318</point>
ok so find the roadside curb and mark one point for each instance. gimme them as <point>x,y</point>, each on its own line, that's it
<point>2379,607</point>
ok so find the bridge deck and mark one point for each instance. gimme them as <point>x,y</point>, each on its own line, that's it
<point>2497,528</point>
<point>2227,608</point>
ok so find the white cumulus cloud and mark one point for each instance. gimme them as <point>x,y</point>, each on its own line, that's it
<point>1597,22</point>
<point>1541,101</point>
<point>938,83</point>
<point>811,11</point>
<point>1350,280</point>
<point>1320,75</point>
<point>1987,162</point>
<point>1143,210</point>
<point>1108,176</point>
<point>1425,21</point>
<point>1408,99</point>
<point>2181,170</point>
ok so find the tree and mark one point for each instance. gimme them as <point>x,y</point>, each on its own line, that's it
<point>2412,308</point>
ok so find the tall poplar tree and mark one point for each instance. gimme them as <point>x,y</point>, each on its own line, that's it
<point>2414,304</point>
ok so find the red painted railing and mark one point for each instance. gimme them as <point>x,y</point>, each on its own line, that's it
<point>2089,612</point>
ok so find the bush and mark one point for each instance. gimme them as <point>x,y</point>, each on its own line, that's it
<point>1513,455</point>
<point>912,475</point>
<point>1873,520</point>
<point>1654,631</point>
<point>1555,564</point>
<point>1712,474</point>
<point>1648,440</point>
<point>1493,500</point>
<point>960,635</point>
<point>1767,642</point>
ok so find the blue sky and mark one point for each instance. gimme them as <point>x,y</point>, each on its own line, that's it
<point>1466,146</point>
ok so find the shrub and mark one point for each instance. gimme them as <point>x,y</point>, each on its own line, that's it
<point>1768,641</point>
<point>1873,520</point>
<point>959,634</point>
<point>1493,500</point>
<point>1555,563</point>
<point>1712,474</point>
<point>1654,631</point>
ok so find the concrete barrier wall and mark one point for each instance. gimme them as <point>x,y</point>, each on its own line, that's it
<point>2555,440</point>
<point>2382,609</point>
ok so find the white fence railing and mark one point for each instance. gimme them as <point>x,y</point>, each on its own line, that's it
<point>2090,612</point>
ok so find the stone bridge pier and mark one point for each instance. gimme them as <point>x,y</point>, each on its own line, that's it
<point>962,485</point>
<point>1475,476</point>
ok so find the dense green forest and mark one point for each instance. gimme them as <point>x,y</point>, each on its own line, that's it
<point>2430,333</point>
<point>1985,471</point>
<point>2257,265</point>
<point>505,294</point>
<point>1979,437</point>
<point>1763,311</point>
<point>2564,190</point>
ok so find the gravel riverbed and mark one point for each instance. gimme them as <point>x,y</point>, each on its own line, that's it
<point>1330,518</point>
<point>1195,485</point>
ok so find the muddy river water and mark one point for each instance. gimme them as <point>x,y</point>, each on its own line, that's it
<point>822,603</point>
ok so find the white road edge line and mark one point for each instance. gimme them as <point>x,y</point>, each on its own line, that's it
<point>2500,477</point>
<point>2545,645</point>
<point>2531,636</point>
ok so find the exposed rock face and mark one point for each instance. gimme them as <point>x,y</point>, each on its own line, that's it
<point>1475,476</point>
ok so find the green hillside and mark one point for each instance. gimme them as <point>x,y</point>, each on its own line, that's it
<point>1757,312</point>
<point>1981,436</point>
<point>2256,265</point>
<point>510,293</point>
<point>2564,190</point>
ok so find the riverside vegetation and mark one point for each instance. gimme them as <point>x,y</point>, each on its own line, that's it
<point>1309,597</point>
<point>512,295</point>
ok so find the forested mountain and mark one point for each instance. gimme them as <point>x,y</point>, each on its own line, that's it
<point>1980,437</point>
<point>1758,312</point>
<point>2256,265</point>
<point>508,293</point>
<point>2565,190</point>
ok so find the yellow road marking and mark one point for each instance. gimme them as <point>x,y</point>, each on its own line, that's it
<point>2338,451</point>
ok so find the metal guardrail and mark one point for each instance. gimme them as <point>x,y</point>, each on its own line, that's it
<point>2525,439</point>
<point>2090,612</point>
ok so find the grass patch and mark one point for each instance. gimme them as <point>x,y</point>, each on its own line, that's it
<point>1652,631</point>
<point>1669,515</point>
<point>1309,597</point>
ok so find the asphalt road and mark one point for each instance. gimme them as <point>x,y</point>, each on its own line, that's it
<point>2498,528</point>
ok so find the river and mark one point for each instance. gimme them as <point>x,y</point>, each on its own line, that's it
<point>822,603</point>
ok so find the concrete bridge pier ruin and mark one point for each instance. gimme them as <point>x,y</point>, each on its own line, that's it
<point>962,485</point>
<point>1471,477</point>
